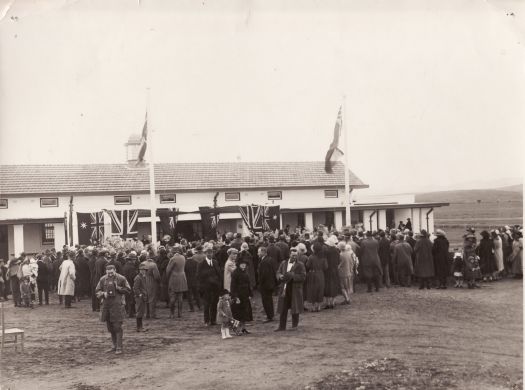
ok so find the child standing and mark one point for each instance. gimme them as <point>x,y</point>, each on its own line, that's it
<point>25,292</point>
<point>224,314</point>
<point>472,271</point>
<point>458,268</point>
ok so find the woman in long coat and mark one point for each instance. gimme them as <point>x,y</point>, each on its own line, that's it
<point>517,255</point>
<point>440,254</point>
<point>229,267</point>
<point>241,293</point>
<point>245,255</point>
<point>177,283</point>
<point>369,262</point>
<point>485,251</point>
<point>424,268</point>
<point>498,252</point>
<point>66,280</point>
<point>162,262</point>
<point>332,287</point>
<point>315,267</point>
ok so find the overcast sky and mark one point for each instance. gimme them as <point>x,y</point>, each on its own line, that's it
<point>435,90</point>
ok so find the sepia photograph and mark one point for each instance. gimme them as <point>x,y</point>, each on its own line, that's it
<point>261,194</point>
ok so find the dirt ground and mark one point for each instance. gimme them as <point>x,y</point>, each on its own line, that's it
<point>400,338</point>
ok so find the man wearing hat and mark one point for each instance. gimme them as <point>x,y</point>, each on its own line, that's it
<point>210,285</point>
<point>292,274</point>
<point>141,296</point>
<point>129,271</point>
<point>100,270</point>
<point>111,289</point>
<point>152,286</point>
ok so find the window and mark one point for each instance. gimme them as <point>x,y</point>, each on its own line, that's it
<point>48,234</point>
<point>48,202</point>
<point>168,198</point>
<point>275,195</point>
<point>122,200</point>
<point>232,196</point>
<point>3,203</point>
<point>331,194</point>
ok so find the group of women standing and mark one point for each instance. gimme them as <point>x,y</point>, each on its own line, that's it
<point>500,254</point>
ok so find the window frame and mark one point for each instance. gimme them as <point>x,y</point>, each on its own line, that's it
<point>6,203</point>
<point>168,201</point>
<point>232,200</point>
<point>280,195</point>
<point>46,227</point>
<point>331,197</point>
<point>118,203</point>
<point>49,205</point>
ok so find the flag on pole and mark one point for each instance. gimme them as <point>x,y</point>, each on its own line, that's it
<point>124,222</point>
<point>260,218</point>
<point>90,227</point>
<point>334,153</point>
<point>143,141</point>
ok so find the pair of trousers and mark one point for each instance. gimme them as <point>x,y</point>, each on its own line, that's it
<point>210,298</point>
<point>193,294</point>
<point>68,299</point>
<point>404,279</point>
<point>424,282</point>
<point>267,301</point>
<point>115,328</point>
<point>43,289</point>
<point>130,305</point>
<point>386,274</point>
<point>15,290</point>
<point>151,308</point>
<point>374,280</point>
<point>287,305</point>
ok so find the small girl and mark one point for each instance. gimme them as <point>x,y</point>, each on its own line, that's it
<point>458,267</point>
<point>472,271</point>
<point>25,292</point>
<point>224,314</point>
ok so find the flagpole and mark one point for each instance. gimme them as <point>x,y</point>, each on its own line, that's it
<point>153,206</point>
<point>347,172</point>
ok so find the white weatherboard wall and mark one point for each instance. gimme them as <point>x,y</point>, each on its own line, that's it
<point>29,207</point>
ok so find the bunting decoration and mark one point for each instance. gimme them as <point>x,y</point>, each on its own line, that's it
<point>261,218</point>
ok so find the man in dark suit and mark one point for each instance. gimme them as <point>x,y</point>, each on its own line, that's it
<point>292,274</point>
<point>370,263</point>
<point>42,281</point>
<point>222,253</point>
<point>283,247</point>
<point>273,251</point>
<point>267,282</point>
<point>209,277</point>
<point>384,256</point>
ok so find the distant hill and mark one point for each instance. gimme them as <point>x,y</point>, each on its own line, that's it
<point>516,188</point>
<point>483,209</point>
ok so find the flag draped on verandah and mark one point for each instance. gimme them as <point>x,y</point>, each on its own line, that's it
<point>90,227</point>
<point>260,219</point>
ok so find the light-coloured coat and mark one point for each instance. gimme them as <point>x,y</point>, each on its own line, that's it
<point>66,280</point>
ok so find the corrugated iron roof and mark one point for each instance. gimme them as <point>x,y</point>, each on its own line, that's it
<point>117,178</point>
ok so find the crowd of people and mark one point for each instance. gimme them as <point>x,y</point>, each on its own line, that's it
<point>305,271</point>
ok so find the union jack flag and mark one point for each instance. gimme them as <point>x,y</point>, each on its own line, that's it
<point>124,222</point>
<point>260,218</point>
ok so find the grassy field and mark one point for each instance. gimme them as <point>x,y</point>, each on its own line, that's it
<point>483,209</point>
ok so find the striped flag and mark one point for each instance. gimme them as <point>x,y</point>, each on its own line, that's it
<point>334,153</point>
<point>124,222</point>
<point>143,141</point>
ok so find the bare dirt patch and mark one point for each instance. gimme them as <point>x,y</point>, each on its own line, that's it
<point>394,339</point>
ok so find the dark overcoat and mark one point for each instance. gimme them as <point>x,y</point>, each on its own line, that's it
<point>240,288</point>
<point>424,261</point>
<point>113,307</point>
<point>332,285</point>
<point>441,257</point>
<point>369,262</point>
<point>83,275</point>
<point>267,274</point>
<point>297,276</point>
<point>209,278</point>
<point>487,261</point>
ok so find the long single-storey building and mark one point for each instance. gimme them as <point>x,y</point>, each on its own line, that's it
<point>35,199</point>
